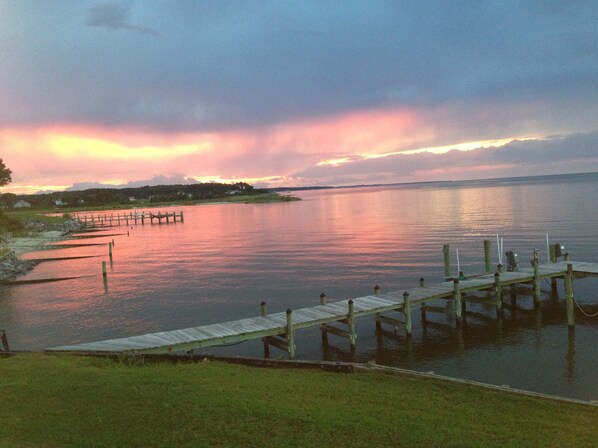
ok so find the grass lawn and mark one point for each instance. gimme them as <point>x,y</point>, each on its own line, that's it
<point>64,401</point>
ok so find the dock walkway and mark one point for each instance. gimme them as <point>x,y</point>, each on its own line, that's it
<point>278,329</point>
<point>126,219</point>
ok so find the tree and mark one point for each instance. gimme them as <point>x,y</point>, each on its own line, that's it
<point>5,173</point>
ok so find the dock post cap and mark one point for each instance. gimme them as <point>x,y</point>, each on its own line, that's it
<point>350,302</point>
<point>289,311</point>
<point>322,295</point>
<point>263,303</point>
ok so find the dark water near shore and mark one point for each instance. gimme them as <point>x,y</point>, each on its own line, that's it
<point>226,258</point>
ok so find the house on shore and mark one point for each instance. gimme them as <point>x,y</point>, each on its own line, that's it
<point>22,204</point>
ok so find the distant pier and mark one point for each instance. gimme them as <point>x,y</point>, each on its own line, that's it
<point>126,219</point>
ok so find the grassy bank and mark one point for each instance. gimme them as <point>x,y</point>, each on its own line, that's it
<point>74,401</point>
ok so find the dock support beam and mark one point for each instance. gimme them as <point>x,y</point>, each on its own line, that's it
<point>487,256</point>
<point>290,334</point>
<point>446,250</point>
<point>497,294</point>
<point>378,320</point>
<point>569,296</point>
<point>323,326</point>
<point>407,312</point>
<point>351,322</point>
<point>264,340</point>
<point>4,340</point>
<point>535,264</point>
<point>457,298</point>
<point>423,305</point>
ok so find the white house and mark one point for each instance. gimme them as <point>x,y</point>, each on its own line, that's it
<point>22,204</point>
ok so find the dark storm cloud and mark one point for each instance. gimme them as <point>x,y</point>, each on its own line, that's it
<point>115,16</point>
<point>257,63</point>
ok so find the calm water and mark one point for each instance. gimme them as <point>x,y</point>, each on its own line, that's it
<point>225,259</point>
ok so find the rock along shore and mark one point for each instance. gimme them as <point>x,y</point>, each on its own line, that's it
<point>38,234</point>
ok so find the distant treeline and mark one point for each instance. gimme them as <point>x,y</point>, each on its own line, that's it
<point>109,196</point>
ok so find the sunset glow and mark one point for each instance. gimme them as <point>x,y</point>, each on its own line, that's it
<point>154,93</point>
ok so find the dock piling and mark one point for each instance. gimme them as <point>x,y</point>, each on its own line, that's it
<point>446,250</point>
<point>290,334</point>
<point>264,340</point>
<point>4,341</point>
<point>407,312</point>
<point>323,326</point>
<point>457,298</point>
<point>497,294</point>
<point>535,264</point>
<point>351,322</point>
<point>487,256</point>
<point>569,296</point>
<point>110,250</point>
<point>378,320</point>
<point>104,273</point>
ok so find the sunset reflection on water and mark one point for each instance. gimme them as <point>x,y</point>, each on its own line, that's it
<point>226,258</point>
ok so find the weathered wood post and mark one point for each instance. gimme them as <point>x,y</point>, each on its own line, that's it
<point>566,256</point>
<point>423,305</point>
<point>378,321</point>
<point>322,299</point>
<point>110,250</point>
<point>104,273</point>
<point>323,327</point>
<point>536,265</point>
<point>552,252</point>
<point>351,322</point>
<point>407,312</point>
<point>446,250</point>
<point>4,341</point>
<point>290,334</point>
<point>499,268</point>
<point>497,294</point>
<point>457,297</point>
<point>569,296</point>
<point>264,340</point>
<point>487,256</point>
<point>182,217</point>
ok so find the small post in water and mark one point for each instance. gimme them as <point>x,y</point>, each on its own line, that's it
<point>104,274</point>
<point>110,250</point>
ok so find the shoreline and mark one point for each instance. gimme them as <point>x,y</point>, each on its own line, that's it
<point>11,263</point>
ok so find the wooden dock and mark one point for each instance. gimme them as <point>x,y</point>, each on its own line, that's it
<point>126,219</point>
<point>338,318</point>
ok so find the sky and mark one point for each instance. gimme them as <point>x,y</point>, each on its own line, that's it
<point>295,93</point>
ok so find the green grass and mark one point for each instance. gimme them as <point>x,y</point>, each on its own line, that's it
<point>64,401</point>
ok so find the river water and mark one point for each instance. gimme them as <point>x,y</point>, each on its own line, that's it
<point>226,258</point>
